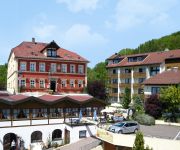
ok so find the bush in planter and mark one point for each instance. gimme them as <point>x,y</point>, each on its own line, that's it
<point>144,119</point>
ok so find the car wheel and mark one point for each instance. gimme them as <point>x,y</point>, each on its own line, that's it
<point>120,131</point>
<point>136,130</point>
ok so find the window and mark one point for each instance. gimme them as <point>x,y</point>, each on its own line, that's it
<point>127,70</point>
<point>127,80</point>
<point>39,113</point>
<point>136,59</point>
<point>71,83</point>
<point>51,52</point>
<point>36,136</point>
<point>80,69</point>
<point>32,83</point>
<point>23,83</point>
<point>4,114</point>
<point>56,135</point>
<point>154,71</point>
<point>140,80</point>
<point>21,113</point>
<point>114,90</point>
<point>140,91</point>
<point>63,83</point>
<point>80,83</point>
<point>22,66</point>
<point>114,81</point>
<point>32,66</point>
<point>114,71</point>
<point>56,112</point>
<point>72,68</point>
<point>64,68</point>
<point>155,90</point>
<point>42,83</point>
<point>141,70</point>
<point>82,134</point>
<point>42,67</point>
<point>53,67</point>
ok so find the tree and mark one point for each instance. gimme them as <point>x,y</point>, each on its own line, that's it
<point>3,76</point>
<point>139,142</point>
<point>97,89</point>
<point>153,106</point>
<point>171,97</point>
<point>126,98</point>
<point>138,104</point>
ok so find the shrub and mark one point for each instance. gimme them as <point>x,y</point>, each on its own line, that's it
<point>139,142</point>
<point>138,104</point>
<point>144,119</point>
<point>153,106</point>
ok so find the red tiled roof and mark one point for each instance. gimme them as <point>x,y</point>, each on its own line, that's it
<point>152,58</point>
<point>51,98</point>
<point>48,98</point>
<point>33,50</point>
<point>164,78</point>
<point>80,98</point>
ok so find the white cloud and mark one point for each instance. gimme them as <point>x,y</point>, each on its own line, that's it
<point>80,5</point>
<point>80,34</point>
<point>129,14</point>
<point>44,31</point>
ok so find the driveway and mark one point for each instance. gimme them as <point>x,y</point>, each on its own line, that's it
<point>161,131</point>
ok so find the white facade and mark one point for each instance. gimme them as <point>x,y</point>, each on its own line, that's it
<point>23,130</point>
<point>12,74</point>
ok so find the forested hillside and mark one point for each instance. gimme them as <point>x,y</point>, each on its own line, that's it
<point>167,42</point>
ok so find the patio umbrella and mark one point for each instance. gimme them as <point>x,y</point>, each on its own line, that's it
<point>108,110</point>
<point>116,105</point>
<point>95,115</point>
<point>80,114</point>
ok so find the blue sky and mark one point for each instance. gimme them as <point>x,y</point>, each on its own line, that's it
<point>95,29</point>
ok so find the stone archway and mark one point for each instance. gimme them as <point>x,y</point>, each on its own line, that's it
<point>7,140</point>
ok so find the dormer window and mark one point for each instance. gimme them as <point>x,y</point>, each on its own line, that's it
<point>51,52</point>
<point>136,59</point>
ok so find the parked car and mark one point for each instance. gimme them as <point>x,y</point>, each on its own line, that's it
<point>125,127</point>
<point>118,118</point>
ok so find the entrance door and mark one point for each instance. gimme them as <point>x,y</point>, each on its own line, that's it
<point>67,136</point>
<point>53,86</point>
<point>7,140</point>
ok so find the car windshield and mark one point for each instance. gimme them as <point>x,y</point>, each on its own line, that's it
<point>119,124</point>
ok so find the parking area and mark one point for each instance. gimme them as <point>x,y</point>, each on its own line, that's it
<point>161,131</point>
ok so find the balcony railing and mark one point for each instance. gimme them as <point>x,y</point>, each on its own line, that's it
<point>125,75</point>
<point>125,85</point>
<point>139,74</point>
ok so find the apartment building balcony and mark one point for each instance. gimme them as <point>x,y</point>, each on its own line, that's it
<point>113,94</point>
<point>125,75</point>
<point>137,85</point>
<point>139,74</point>
<point>125,85</point>
<point>112,75</point>
<point>115,85</point>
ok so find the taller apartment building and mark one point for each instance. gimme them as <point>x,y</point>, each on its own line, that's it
<point>35,66</point>
<point>132,70</point>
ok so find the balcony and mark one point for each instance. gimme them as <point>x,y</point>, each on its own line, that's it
<point>137,85</point>
<point>115,85</point>
<point>125,85</point>
<point>112,75</point>
<point>139,74</point>
<point>113,94</point>
<point>125,75</point>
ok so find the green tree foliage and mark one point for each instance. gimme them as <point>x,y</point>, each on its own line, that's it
<point>97,80</point>
<point>126,98</point>
<point>138,104</point>
<point>170,41</point>
<point>171,97</point>
<point>3,76</point>
<point>139,142</point>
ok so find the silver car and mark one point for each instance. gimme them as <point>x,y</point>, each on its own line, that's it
<point>124,127</point>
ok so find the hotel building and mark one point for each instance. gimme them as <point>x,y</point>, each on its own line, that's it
<point>133,70</point>
<point>45,67</point>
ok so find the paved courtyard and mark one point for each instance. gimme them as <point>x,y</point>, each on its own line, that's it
<point>161,131</point>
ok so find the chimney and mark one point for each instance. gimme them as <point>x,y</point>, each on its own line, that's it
<point>33,40</point>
